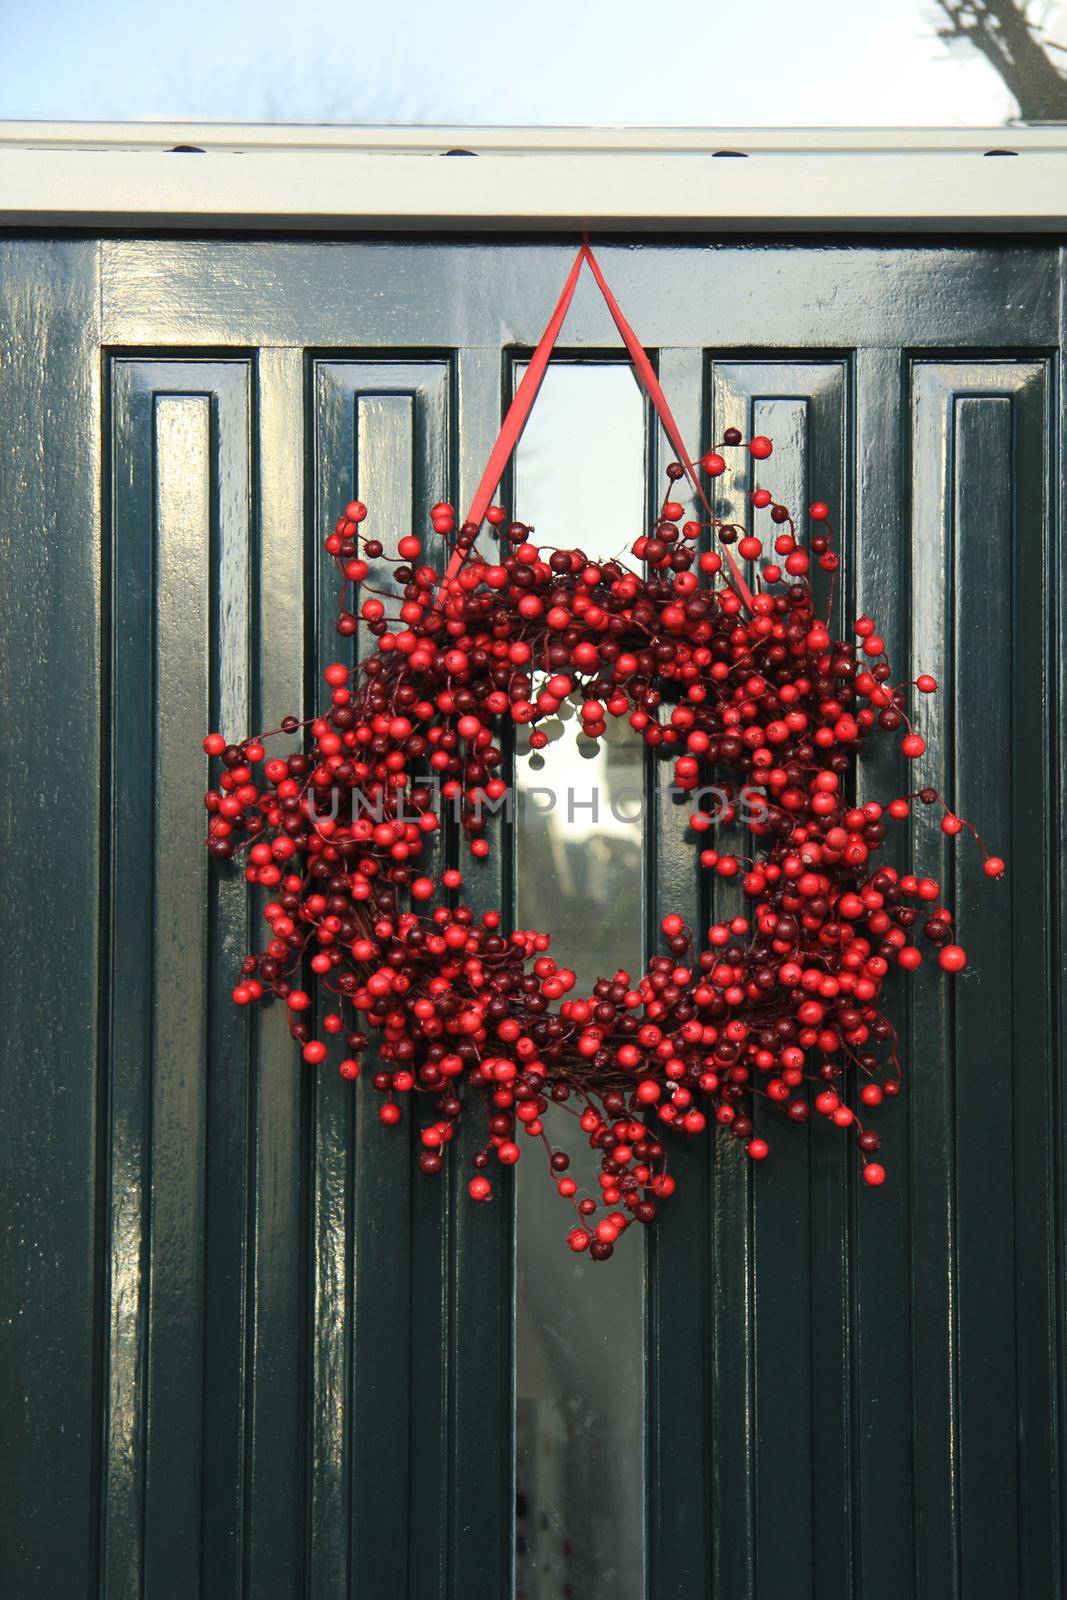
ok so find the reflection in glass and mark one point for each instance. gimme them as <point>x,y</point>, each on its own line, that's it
<point>580,1324</point>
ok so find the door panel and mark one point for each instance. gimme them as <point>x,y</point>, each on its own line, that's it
<point>49,1068</point>
<point>182,1081</point>
<point>980,1112</point>
<point>380,431</point>
<point>789,1286</point>
<point>259,1355</point>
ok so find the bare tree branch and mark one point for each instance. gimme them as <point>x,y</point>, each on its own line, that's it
<point>1013,46</point>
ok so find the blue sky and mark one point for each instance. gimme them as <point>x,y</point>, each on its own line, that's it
<point>679,62</point>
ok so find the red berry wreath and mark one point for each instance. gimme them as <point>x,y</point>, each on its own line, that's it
<point>748,690</point>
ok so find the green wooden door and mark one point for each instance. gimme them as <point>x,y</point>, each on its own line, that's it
<point>247,1351</point>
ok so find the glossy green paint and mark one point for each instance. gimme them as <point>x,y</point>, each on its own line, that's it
<point>247,1351</point>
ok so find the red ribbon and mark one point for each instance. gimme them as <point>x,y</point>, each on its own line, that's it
<point>525,395</point>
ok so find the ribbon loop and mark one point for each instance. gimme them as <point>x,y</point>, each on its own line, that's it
<point>522,403</point>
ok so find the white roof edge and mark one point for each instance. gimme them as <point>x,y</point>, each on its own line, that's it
<point>434,139</point>
<point>365,179</point>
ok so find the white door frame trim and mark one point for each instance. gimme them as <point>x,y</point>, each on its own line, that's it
<point>123,175</point>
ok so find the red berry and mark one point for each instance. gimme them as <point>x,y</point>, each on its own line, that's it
<point>355,511</point>
<point>913,746</point>
<point>479,1188</point>
<point>760,447</point>
<point>713,464</point>
<point>214,744</point>
<point>818,512</point>
<point>874,1174</point>
<point>993,867</point>
<point>952,958</point>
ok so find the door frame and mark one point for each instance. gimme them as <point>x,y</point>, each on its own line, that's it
<point>711,181</point>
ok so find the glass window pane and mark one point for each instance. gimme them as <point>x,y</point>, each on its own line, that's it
<point>912,63</point>
<point>580,1324</point>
